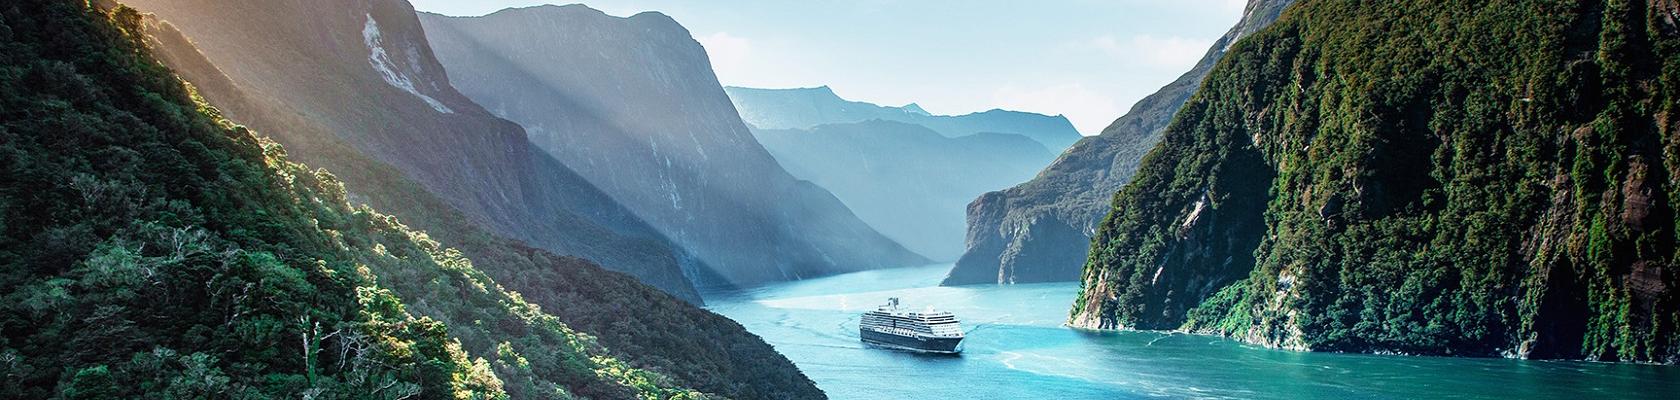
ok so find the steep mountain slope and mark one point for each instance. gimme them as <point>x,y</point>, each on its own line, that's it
<point>1040,230</point>
<point>697,348</point>
<point>806,108</point>
<point>350,85</point>
<point>154,250</point>
<point>632,104</point>
<point>1419,177</point>
<point>907,181</point>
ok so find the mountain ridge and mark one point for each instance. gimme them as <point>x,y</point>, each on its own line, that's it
<point>1039,230</point>
<point>632,104</point>
<point>188,257</point>
<point>654,333</point>
<point>805,108</point>
<point>478,164</point>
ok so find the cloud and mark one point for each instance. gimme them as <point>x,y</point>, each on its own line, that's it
<point>1234,6</point>
<point>1089,110</point>
<point>1171,52</point>
<point>730,54</point>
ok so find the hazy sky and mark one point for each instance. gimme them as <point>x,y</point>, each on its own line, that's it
<point>1086,59</point>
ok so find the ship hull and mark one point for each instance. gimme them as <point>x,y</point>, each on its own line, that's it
<point>930,345</point>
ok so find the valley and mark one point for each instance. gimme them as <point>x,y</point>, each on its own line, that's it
<point>439,199</point>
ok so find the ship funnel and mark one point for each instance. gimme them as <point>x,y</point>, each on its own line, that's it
<point>892,302</point>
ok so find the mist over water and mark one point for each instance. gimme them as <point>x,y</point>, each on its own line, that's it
<point>1017,348</point>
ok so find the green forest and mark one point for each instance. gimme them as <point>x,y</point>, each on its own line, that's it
<point>153,249</point>
<point>1416,177</point>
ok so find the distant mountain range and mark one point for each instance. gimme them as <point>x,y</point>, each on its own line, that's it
<point>806,108</point>
<point>632,105</point>
<point>1040,230</point>
<point>906,180</point>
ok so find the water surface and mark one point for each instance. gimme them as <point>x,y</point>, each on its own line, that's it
<point>1017,349</point>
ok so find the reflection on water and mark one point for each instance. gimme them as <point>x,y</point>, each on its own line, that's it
<point>1017,348</point>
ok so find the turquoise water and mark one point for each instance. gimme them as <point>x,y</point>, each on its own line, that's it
<point>1017,349</point>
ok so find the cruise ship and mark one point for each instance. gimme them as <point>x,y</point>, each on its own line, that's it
<point>928,331</point>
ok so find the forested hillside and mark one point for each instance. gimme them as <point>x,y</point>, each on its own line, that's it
<point>1419,177</point>
<point>152,249</point>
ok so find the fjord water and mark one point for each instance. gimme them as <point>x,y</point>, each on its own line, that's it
<point>1017,348</point>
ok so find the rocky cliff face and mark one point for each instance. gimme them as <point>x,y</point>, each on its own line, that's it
<point>806,108</point>
<point>1039,231</point>
<point>906,180</point>
<point>352,86</point>
<point>1453,178</point>
<point>632,104</point>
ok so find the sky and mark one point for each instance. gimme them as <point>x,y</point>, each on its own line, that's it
<point>1086,59</point>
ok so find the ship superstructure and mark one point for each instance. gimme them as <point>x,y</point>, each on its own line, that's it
<point>928,331</point>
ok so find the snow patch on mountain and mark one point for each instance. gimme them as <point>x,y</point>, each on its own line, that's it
<point>381,61</point>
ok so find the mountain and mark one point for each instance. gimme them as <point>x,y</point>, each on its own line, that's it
<point>371,100</point>
<point>906,180</point>
<point>633,106</point>
<point>808,107</point>
<point>1431,177</point>
<point>1039,231</point>
<point>697,348</point>
<point>154,249</point>
<point>912,108</point>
